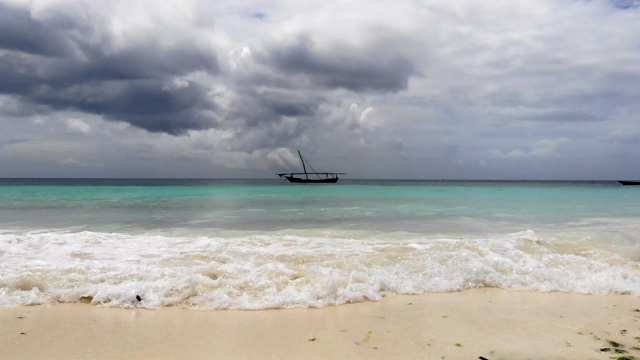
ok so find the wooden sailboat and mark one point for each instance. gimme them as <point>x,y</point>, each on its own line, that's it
<point>328,178</point>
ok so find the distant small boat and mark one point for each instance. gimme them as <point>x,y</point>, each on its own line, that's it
<point>625,182</point>
<point>329,178</point>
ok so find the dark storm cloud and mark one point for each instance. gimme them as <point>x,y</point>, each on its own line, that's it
<point>287,104</point>
<point>58,61</point>
<point>355,71</point>
<point>255,108</point>
<point>18,73</point>
<point>293,82</point>
<point>145,62</point>
<point>19,31</point>
<point>148,104</point>
<point>22,72</point>
<point>134,84</point>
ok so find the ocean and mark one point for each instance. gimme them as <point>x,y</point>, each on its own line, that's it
<point>260,244</point>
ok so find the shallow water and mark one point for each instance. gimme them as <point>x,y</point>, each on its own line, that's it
<point>254,244</point>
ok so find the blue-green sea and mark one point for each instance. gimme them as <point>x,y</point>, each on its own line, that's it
<point>256,244</point>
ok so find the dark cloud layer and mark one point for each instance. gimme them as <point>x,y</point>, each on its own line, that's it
<point>19,31</point>
<point>134,84</point>
<point>255,107</point>
<point>143,103</point>
<point>353,71</point>
<point>49,64</point>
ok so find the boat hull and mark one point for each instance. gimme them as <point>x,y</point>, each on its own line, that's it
<point>625,182</point>
<point>296,180</point>
<point>329,177</point>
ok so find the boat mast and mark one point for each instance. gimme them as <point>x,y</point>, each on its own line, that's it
<point>304,167</point>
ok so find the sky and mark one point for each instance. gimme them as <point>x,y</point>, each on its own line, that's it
<point>430,89</point>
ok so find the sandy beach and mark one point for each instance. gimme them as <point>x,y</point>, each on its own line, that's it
<point>488,323</point>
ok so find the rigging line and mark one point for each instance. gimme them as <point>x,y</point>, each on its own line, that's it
<point>314,170</point>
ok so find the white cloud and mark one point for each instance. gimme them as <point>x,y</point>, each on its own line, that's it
<point>236,55</point>
<point>77,126</point>
<point>358,118</point>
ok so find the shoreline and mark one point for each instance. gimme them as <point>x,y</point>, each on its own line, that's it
<point>490,323</point>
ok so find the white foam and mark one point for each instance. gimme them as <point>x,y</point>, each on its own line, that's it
<point>311,268</point>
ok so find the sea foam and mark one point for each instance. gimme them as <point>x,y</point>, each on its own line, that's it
<point>308,268</point>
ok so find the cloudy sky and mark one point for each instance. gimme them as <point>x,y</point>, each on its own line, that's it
<point>466,89</point>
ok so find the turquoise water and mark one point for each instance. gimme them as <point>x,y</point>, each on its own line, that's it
<point>271,205</point>
<point>252,244</point>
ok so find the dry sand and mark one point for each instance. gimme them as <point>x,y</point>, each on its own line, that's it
<point>491,323</point>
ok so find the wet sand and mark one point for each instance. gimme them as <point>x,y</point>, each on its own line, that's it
<point>488,323</point>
